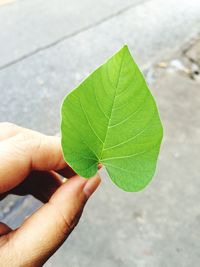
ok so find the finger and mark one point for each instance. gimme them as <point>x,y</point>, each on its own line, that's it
<point>4,229</point>
<point>8,130</point>
<point>41,234</point>
<point>100,166</point>
<point>28,151</point>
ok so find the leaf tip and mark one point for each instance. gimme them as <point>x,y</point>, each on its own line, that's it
<point>125,47</point>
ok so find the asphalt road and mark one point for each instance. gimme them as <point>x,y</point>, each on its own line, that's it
<point>46,48</point>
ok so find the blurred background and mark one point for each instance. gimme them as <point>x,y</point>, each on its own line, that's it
<point>46,48</point>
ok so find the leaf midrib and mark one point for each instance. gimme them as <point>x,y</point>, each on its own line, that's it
<point>113,103</point>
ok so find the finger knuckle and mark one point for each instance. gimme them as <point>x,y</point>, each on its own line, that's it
<point>66,222</point>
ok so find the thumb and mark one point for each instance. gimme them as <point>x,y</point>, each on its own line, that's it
<point>42,233</point>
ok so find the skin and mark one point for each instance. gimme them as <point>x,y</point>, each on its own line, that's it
<point>29,164</point>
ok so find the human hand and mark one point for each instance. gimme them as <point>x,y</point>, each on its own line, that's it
<point>29,164</point>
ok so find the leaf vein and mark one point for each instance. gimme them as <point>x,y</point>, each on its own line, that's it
<point>113,101</point>
<point>100,108</point>
<point>133,137</point>
<point>89,122</point>
<point>122,157</point>
<point>132,114</point>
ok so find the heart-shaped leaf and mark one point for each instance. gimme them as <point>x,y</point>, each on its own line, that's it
<point>111,118</point>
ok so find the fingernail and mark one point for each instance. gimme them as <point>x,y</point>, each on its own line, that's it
<point>91,185</point>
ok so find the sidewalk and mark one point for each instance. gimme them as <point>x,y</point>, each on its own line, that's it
<point>159,226</point>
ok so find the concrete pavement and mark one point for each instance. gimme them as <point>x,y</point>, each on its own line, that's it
<point>46,48</point>
<point>159,226</point>
<point>152,29</point>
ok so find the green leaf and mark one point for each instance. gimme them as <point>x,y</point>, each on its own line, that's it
<point>111,118</point>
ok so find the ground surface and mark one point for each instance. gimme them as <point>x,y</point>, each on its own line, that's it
<point>46,48</point>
